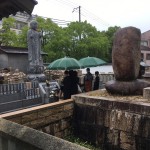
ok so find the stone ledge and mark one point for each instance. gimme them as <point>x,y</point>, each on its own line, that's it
<point>109,104</point>
<point>31,110</point>
<point>36,138</point>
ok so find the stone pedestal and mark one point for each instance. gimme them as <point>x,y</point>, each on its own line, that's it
<point>35,73</point>
<point>134,87</point>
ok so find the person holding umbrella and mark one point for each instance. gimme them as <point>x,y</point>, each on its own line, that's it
<point>88,79</point>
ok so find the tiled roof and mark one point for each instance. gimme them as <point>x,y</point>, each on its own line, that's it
<point>16,50</point>
<point>8,7</point>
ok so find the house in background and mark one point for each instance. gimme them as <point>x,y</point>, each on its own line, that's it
<point>21,19</point>
<point>145,47</point>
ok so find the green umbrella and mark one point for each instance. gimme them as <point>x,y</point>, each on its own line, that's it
<point>91,62</point>
<point>65,63</point>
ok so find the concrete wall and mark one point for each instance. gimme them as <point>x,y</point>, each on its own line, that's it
<point>113,123</point>
<point>4,61</point>
<point>54,118</point>
<point>17,137</point>
<point>18,61</point>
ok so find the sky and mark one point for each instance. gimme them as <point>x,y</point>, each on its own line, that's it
<point>100,13</point>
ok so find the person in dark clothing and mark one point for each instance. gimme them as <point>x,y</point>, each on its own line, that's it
<point>74,82</point>
<point>142,69</point>
<point>74,88</point>
<point>88,79</point>
<point>96,81</point>
<point>66,86</point>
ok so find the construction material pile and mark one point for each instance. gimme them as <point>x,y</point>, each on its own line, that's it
<point>7,76</point>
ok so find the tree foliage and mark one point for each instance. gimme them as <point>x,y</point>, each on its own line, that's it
<point>8,37</point>
<point>77,40</point>
<point>110,34</point>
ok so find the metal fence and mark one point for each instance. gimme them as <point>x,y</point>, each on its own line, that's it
<point>17,87</point>
<point>17,96</point>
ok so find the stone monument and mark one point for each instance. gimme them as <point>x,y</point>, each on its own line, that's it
<point>126,57</point>
<point>35,67</point>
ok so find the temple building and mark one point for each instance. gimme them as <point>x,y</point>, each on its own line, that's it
<point>14,57</point>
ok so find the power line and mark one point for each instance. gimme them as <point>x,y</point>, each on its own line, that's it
<point>95,20</point>
<point>60,20</point>
<point>90,15</point>
<point>85,13</point>
<point>56,20</point>
<point>95,17</point>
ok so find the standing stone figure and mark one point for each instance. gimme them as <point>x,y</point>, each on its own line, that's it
<point>34,49</point>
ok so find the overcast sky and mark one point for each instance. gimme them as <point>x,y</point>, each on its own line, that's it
<point>99,13</point>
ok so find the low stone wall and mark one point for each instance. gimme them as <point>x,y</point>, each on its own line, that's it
<point>54,118</point>
<point>113,124</point>
<point>17,137</point>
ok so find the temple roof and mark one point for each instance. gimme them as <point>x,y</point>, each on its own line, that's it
<point>16,50</point>
<point>8,7</point>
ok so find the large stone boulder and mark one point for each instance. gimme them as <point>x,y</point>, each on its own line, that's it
<point>126,54</point>
<point>126,57</point>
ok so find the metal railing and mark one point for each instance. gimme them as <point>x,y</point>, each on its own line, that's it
<point>17,87</point>
<point>19,95</point>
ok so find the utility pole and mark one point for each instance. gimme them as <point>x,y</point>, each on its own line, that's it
<point>79,17</point>
<point>79,12</point>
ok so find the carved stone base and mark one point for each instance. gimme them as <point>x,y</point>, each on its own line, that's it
<point>126,87</point>
<point>36,77</point>
<point>35,69</point>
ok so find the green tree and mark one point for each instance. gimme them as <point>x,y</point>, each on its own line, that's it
<point>78,39</point>
<point>87,41</point>
<point>110,34</point>
<point>7,36</point>
<point>22,37</point>
<point>54,40</point>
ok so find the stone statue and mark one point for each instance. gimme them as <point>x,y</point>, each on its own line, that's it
<point>34,49</point>
<point>126,56</point>
<point>35,68</point>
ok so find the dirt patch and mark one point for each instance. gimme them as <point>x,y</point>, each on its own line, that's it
<point>104,93</point>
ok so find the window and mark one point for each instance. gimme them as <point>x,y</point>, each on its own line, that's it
<point>147,56</point>
<point>144,43</point>
<point>142,56</point>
